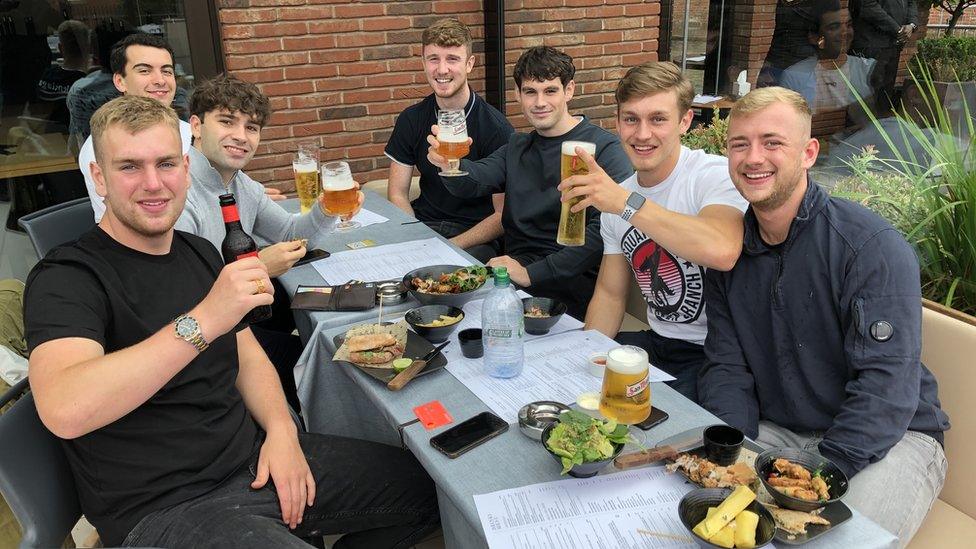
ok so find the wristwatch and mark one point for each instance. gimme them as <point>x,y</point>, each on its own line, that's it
<point>634,203</point>
<point>188,329</point>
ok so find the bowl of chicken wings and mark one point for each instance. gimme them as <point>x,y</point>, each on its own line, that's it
<point>800,480</point>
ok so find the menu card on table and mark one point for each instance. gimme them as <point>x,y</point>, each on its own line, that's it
<point>387,262</point>
<point>636,508</point>
<point>555,369</point>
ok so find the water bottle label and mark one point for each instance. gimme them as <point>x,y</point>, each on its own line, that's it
<point>636,388</point>
<point>496,332</point>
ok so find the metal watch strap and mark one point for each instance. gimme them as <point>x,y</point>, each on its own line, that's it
<point>196,339</point>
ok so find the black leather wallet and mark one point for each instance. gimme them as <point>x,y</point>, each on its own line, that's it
<point>345,297</point>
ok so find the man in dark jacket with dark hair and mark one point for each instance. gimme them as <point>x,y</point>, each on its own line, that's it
<point>814,337</point>
<point>881,30</point>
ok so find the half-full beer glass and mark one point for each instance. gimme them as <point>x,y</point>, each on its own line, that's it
<point>452,134</point>
<point>626,394</point>
<point>306,166</point>
<point>339,194</point>
<point>572,226</point>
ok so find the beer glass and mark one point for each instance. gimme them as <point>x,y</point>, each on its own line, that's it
<point>339,194</point>
<point>626,393</point>
<point>306,166</point>
<point>452,136</point>
<point>572,226</point>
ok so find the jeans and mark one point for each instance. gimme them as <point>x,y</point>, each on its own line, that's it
<point>481,252</point>
<point>678,357</point>
<point>377,494</point>
<point>896,492</point>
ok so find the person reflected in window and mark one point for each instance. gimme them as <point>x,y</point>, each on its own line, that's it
<point>832,79</point>
<point>96,89</point>
<point>789,44</point>
<point>881,30</point>
<point>52,88</point>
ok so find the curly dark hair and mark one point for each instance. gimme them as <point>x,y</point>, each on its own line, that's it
<point>544,63</point>
<point>229,92</point>
<point>138,39</point>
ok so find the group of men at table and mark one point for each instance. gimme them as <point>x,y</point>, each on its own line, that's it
<point>174,420</point>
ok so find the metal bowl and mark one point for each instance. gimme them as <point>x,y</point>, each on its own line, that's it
<point>536,416</point>
<point>390,292</point>
<point>434,271</point>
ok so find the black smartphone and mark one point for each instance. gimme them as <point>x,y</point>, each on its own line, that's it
<point>468,434</point>
<point>312,255</point>
<point>657,416</point>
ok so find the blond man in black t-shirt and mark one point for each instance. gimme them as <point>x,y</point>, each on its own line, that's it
<point>171,415</point>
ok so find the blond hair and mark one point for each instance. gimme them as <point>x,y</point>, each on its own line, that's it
<point>134,114</point>
<point>655,77</point>
<point>760,98</point>
<point>447,33</point>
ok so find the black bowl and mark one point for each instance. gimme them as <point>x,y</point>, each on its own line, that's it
<point>694,506</point>
<point>428,314</point>
<point>540,326</point>
<point>835,478</point>
<point>434,271</point>
<point>583,470</point>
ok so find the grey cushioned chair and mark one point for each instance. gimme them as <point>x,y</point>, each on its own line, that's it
<point>58,224</point>
<point>35,478</point>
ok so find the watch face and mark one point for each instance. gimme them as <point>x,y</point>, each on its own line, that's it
<point>186,327</point>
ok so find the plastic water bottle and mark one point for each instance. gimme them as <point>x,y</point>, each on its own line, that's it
<point>501,324</point>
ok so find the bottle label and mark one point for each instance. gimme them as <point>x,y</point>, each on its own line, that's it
<point>496,332</point>
<point>636,388</point>
<point>248,254</point>
<point>230,213</point>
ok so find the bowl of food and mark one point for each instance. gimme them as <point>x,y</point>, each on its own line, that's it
<point>452,285</point>
<point>800,480</point>
<point>541,314</point>
<point>434,322</point>
<point>738,520</point>
<point>584,445</point>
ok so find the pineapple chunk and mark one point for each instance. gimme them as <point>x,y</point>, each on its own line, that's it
<point>724,513</point>
<point>745,529</point>
<point>726,536</point>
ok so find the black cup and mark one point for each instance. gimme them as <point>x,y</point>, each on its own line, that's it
<point>722,444</point>
<point>471,345</point>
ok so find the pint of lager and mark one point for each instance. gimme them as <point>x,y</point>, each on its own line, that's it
<point>306,182</point>
<point>626,395</point>
<point>572,226</point>
<point>339,193</point>
<point>306,166</point>
<point>452,136</point>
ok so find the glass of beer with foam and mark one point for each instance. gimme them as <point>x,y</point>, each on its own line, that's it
<point>572,226</point>
<point>339,194</point>
<point>626,394</point>
<point>306,165</point>
<point>452,136</point>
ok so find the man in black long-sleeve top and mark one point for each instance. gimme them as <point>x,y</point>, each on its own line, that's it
<point>527,170</point>
<point>881,30</point>
<point>814,336</point>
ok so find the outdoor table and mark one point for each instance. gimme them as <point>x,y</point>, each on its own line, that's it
<point>400,228</point>
<point>340,399</point>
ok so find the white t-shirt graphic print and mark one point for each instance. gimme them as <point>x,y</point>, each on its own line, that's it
<point>672,286</point>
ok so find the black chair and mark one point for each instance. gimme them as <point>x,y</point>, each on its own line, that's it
<point>58,224</point>
<point>35,478</point>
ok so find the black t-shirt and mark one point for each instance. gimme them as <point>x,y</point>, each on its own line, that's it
<point>488,129</point>
<point>190,435</point>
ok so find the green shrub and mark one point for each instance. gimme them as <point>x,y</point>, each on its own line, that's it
<point>932,203</point>
<point>946,59</point>
<point>710,138</point>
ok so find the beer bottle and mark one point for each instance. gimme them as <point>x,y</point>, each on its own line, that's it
<point>238,244</point>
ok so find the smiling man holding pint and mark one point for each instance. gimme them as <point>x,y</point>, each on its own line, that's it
<point>814,336</point>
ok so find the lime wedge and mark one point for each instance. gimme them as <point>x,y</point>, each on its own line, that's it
<point>402,364</point>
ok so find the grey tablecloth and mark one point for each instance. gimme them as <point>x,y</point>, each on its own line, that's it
<point>340,399</point>
<point>391,232</point>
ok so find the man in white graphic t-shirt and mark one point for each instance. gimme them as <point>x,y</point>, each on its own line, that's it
<point>678,215</point>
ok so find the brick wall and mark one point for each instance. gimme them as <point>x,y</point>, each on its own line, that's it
<point>340,72</point>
